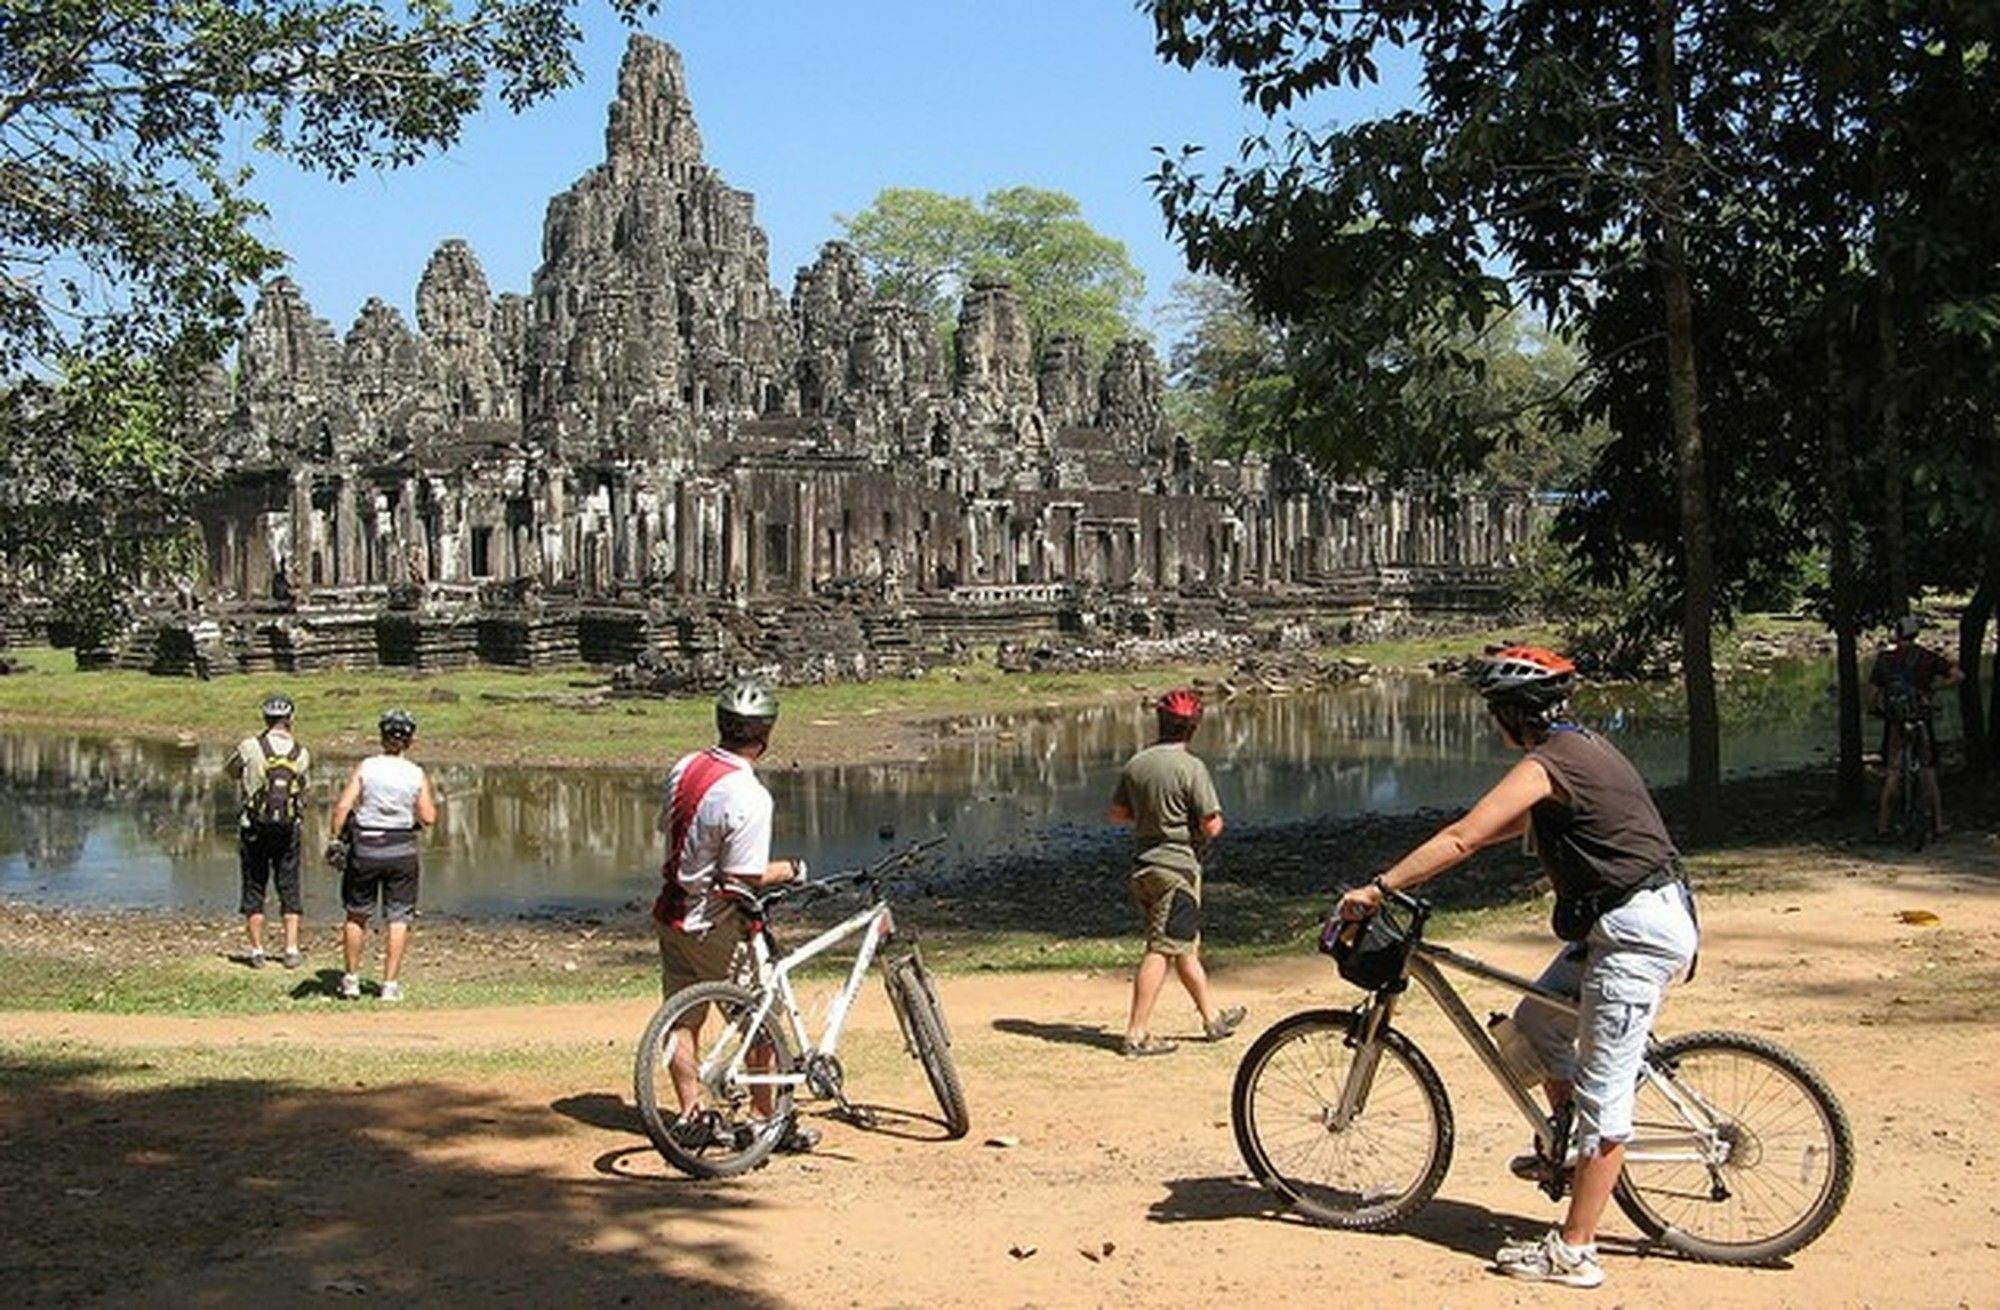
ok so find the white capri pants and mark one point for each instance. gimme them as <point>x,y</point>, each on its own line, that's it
<point>1619,975</point>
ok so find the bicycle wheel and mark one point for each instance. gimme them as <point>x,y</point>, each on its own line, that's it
<point>730,1133</point>
<point>1378,1168</point>
<point>1916,805</point>
<point>914,999</point>
<point>1739,1155</point>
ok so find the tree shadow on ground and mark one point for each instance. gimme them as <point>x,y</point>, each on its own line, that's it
<point>1066,1034</point>
<point>601,1110</point>
<point>1458,1226</point>
<point>245,1191</point>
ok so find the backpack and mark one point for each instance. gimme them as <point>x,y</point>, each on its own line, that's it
<point>277,805</point>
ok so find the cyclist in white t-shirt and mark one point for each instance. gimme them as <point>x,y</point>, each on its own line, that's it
<point>716,816</point>
<point>387,800</point>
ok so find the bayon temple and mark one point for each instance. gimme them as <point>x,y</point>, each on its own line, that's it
<point>655,458</point>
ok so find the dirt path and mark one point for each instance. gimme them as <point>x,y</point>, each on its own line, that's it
<point>1123,1185</point>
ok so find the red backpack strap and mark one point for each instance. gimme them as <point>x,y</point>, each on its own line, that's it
<point>699,774</point>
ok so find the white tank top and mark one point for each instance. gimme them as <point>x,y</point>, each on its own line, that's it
<point>389,788</point>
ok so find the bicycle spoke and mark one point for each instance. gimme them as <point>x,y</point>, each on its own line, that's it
<point>1379,1157</point>
<point>1769,1168</point>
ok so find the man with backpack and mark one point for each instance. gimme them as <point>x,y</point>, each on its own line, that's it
<point>271,768</point>
<point>1901,684</point>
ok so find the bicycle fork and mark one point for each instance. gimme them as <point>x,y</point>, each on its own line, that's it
<point>1367,1048</point>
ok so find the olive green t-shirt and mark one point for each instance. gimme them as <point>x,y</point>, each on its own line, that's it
<point>1169,793</point>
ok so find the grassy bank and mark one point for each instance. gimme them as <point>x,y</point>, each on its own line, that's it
<point>566,717</point>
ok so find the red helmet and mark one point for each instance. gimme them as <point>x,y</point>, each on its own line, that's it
<point>1183,703</point>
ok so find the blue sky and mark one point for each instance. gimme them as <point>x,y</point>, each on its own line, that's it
<point>814,108</point>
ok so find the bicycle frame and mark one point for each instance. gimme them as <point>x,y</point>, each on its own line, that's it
<point>773,983</point>
<point>1427,965</point>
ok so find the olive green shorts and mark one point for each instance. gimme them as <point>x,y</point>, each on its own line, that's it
<point>688,958</point>
<point>1169,904</point>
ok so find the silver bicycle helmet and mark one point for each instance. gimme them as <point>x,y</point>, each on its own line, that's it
<point>278,706</point>
<point>748,698</point>
<point>398,723</point>
<point>1908,627</point>
<point>744,713</point>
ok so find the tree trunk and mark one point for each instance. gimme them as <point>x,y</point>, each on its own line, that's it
<point>1888,413</point>
<point>1849,780</point>
<point>1971,642</point>
<point>1704,767</point>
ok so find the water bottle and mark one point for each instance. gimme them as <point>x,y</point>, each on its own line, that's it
<point>1523,1061</point>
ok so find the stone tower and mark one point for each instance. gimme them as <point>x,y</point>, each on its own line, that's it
<point>652,315</point>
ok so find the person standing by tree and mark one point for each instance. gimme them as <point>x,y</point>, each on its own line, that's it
<point>1900,687</point>
<point>271,768</point>
<point>1165,793</point>
<point>389,799</point>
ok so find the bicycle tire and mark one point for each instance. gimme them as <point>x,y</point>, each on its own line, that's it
<point>914,998</point>
<point>1916,804</point>
<point>735,1138</point>
<point>1286,1087</point>
<point>1790,1152</point>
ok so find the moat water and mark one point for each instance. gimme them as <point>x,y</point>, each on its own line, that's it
<point>99,821</point>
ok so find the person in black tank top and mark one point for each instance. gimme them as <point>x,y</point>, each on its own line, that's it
<point>1621,902</point>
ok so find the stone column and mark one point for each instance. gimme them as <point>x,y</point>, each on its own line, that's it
<point>735,545</point>
<point>805,537</point>
<point>298,569</point>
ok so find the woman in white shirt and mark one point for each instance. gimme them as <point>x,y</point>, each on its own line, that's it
<point>387,800</point>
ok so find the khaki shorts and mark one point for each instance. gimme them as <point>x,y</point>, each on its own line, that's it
<point>688,958</point>
<point>1169,904</point>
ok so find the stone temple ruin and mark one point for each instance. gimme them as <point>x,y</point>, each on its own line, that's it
<point>655,458</point>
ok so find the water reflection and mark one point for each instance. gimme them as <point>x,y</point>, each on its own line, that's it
<point>91,820</point>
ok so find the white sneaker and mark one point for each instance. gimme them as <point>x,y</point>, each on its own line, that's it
<point>392,991</point>
<point>1552,1260</point>
<point>350,986</point>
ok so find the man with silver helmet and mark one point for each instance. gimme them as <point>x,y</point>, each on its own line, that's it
<point>716,816</point>
<point>271,770</point>
<point>372,837</point>
<point>1622,906</point>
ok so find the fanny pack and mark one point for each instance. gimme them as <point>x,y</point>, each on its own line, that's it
<point>1575,915</point>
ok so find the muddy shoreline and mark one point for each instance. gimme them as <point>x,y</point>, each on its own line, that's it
<point>1264,886</point>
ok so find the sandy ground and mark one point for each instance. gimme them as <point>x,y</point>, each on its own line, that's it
<point>1087,1180</point>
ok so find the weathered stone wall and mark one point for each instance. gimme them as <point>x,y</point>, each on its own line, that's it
<point>655,457</point>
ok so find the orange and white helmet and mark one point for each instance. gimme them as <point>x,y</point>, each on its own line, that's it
<point>1531,677</point>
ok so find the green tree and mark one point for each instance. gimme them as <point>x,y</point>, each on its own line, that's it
<point>1552,163</point>
<point>925,249</point>
<point>1226,373</point>
<point>1232,386</point>
<point>125,229</point>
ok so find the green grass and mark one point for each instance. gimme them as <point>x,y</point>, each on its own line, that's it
<point>204,987</point>
<point>491,714</point>
<point>499,715</point>
<point>289,1064</point>
<point>207,986</point>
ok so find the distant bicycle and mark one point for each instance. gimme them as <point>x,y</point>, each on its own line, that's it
<point>1913,730</point>
<point>1740,1152</point>
<point>754,1054</point>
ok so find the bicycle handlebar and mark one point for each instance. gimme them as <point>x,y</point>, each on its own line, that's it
<point>871,876</point>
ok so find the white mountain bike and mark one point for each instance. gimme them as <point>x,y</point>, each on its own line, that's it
<point>752,1052</point>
